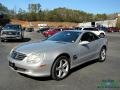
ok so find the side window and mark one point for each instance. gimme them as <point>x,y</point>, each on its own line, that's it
<point>85,37</point>
<point>95,29</point>
<point>95,37</point>
<point>89,37</point>
<point>57,30</point>
<point>91,29</point>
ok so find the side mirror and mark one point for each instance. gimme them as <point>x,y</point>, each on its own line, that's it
<point>84,42</point>
<point>23,28</point>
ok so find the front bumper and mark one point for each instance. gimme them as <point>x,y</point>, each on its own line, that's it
<point>10,37</point>
<point>35,70</point>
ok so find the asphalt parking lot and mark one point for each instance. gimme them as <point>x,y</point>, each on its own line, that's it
<point>85,77</point>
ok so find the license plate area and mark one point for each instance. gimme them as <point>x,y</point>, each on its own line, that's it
<point>16,68</point>
<point>12,65</point>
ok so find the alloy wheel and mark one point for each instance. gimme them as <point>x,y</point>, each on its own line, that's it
<point>62,68</point>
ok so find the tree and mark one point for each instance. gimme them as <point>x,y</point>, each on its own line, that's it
<point>118,22</point>
<point>22,15</point>
<point>61,14</point>
<point>34,8</point>
<point>100,17</point>
<point>3,9</point>
<point>32,16</point>
<point>68,15</point>
<point>4,17</point>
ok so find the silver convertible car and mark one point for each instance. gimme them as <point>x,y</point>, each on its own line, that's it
<point>58,54</point>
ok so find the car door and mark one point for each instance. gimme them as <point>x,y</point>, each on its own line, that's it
<point>88,51</point>
<point>80,51</point>
<point>93,46</point>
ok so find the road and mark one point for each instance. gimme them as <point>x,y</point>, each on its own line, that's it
<point>85,77</point>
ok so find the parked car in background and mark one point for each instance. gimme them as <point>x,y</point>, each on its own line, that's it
<point>29,29</point>
<point>58,54</point>
<point>105,29</point>
<point>67,29</point>
<point>51,32</point>
<point>113,29</point>
<point>41,30</point>
<point>77,28</point>
<point>12,31</point>
<point>24,28</point>
<point>95,30</point>
<point>0,29</point>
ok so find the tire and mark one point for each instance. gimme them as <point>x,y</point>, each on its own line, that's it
<point>102,56</point>
<point>60,68</point>
<point>22,38</point>
<point>2,40</point>
<point>102,35</point>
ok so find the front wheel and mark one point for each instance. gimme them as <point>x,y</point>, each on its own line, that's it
<point>102,35</point>
<point>2,40</point>
<point>60,68</point>
<point>102,56</point>
<point>22,38</point>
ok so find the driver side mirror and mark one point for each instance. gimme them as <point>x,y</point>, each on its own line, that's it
<point>84,42</point>
<point>23,29</point>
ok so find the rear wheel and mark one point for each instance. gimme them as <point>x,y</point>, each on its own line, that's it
<point>60,68</point>
<point>102,35</point>
<point>102,56</point>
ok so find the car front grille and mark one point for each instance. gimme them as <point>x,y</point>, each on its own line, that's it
<point>9,32</point>
<point>18,56</point>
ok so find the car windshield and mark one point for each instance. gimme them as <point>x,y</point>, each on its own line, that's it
<point>91,29</point>
<point>11,27</point>
<point>78,28</point>
<point>65,36</point>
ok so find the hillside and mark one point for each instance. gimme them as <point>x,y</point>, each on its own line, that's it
<point>35,23</point>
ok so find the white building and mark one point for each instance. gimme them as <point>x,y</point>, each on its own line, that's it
<point>119,15</point>
<point>105,23</point>
<point>42,25</point>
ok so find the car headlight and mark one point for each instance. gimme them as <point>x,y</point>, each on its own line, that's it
<point>35,58</point>
<point>18,33</point>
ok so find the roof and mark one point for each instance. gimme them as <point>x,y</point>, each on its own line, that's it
<point>86,27</point>
<point>77,30</point>
<point>12,24</point>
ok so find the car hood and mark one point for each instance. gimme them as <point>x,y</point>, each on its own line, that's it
<point>40,46</point>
